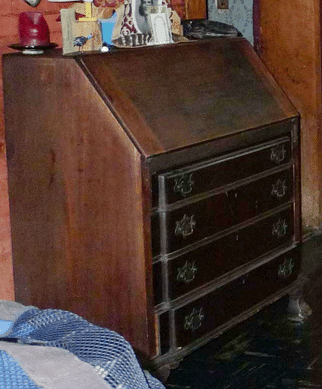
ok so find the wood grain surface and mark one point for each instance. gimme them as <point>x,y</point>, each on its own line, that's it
<point>290,46</point>
<point>76,201</point>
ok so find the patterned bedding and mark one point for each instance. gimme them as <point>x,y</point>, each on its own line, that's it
<point>51,348</point>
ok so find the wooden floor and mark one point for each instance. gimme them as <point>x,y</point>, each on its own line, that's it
<point>267,351</point>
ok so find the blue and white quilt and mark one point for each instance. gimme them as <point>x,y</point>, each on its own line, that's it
<point>56,349</point>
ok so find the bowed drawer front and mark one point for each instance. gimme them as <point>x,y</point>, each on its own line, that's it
<point>215,173</point>
<point>204,264</point>
<point>202,219</point>
<point>218,228</point>
<point>212,310</point>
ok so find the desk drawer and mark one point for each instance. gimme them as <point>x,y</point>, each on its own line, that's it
<point>260,196</point>
<point>210,311</point>
<point>204,218</point>
<point>193,180</point>
<point>208,262</point>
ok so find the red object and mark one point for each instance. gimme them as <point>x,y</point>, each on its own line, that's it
<point>33,29</point>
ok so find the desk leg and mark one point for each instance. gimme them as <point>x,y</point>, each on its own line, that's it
<point>298,309</point>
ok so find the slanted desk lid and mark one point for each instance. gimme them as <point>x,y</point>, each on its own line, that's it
<point>173,96</point>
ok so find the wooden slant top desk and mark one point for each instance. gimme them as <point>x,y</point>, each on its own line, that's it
<point>154,191</point>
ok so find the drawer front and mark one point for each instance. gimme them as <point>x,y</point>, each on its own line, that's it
<point>262,195</point>
<point>204,218</point>
<point>196,221</point>
<point>193,180</point>
<point>206,263</point>
<point>210,311</point>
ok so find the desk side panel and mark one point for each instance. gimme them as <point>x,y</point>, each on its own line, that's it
<point>77,200</point>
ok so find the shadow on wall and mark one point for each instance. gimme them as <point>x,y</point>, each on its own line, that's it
<point>239,14</point>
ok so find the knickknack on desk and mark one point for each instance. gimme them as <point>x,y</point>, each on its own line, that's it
<point>154,191</point>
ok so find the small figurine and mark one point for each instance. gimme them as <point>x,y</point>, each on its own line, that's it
<point>80,41</point>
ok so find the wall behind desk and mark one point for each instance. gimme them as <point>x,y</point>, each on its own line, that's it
<point>239,14</point>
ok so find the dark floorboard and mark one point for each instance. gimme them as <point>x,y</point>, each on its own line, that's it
<point>267,351</point>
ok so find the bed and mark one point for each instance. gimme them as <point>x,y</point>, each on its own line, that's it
<point>56,349</point>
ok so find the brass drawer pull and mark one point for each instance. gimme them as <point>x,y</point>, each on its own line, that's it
<point>194,320</point>
<point>185,226</point>
<point>279,188</point>
<point>183,184</point>
<point>187,273</point>
<point>278,153</point>
<point>279,228</point>
<point>286,268</point>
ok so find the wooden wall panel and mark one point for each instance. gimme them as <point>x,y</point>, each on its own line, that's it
<point>290,46</point>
